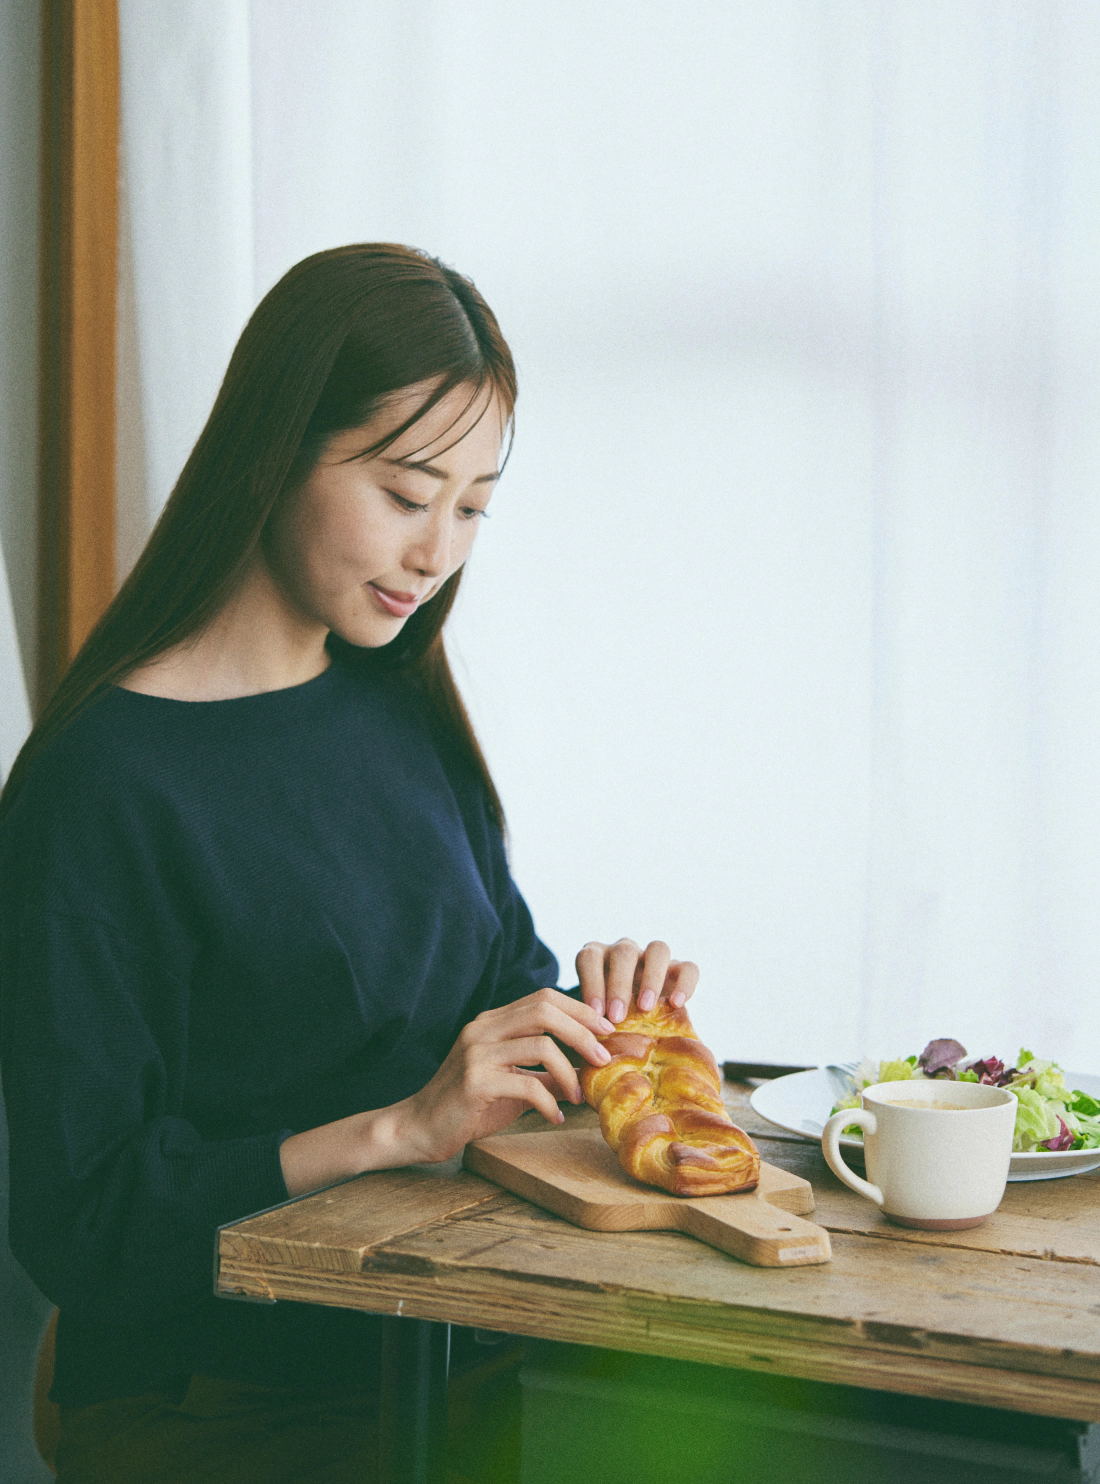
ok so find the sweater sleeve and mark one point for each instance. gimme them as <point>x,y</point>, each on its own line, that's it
<point>525,963</point>
<point>115,1197</point>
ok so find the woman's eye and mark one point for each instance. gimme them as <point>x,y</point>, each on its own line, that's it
<point>402,503</point>
<point>471,512</point>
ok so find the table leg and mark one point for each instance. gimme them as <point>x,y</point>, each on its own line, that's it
<point>412,1432</point>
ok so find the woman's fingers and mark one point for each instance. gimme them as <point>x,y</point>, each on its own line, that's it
<point>654,968</point>
<point>574,1025</point>
<point>485,1083</point>
<point>620,962</point>
<point>590,972</point>
<point>611,975</point>
<point>606,972</point>
<point>681,982</point>
<point>550,1012</point>
<point>644,976</point>
<point>529,1012</point>
<point>541,1051</point>
<point>529,1088</point>
<point>544,1077</point>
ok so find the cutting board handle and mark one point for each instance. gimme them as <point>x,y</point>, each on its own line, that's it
<point>755,1231</point>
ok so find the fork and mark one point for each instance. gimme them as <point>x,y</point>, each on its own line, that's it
<point>845,1068</point>
<point>844,1075</point>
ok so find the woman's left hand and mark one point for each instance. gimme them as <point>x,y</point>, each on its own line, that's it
<point>610,973</point>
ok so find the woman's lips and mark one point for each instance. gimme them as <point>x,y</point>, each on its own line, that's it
<point>398,605</point>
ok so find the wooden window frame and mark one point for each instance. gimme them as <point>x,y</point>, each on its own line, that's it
<point>78,309</point>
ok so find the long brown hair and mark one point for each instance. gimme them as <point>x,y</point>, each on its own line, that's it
<point>335,336</point>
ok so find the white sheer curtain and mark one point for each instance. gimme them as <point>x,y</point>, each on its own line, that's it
<point>19,46</point>
<point>186,280</point>
<point>783,638</point>
<point>14,711</point>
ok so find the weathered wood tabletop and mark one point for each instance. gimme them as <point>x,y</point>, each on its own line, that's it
<point>1004,1315</point>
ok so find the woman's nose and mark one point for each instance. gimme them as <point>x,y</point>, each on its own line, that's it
<point>432,552</point>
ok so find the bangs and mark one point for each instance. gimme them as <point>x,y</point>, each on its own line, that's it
<point>482,382</point>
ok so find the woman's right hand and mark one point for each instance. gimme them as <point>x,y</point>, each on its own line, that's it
<point>484,1084</point>
<point>481,1088</point>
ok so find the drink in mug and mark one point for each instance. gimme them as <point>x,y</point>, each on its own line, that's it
<point>937,1152</point>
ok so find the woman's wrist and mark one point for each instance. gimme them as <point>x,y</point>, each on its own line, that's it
<point>410,1131</point>
<point>399,1136</point>
<point>382,1139</point>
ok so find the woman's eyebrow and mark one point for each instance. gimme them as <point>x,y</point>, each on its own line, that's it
<point>435,473</point>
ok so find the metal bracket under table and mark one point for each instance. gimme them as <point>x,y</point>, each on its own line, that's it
<point>412,1422</point>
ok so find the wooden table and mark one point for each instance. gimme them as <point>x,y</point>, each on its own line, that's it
<point>1005,1315</point>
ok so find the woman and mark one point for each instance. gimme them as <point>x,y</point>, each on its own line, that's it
<point>257,931</point>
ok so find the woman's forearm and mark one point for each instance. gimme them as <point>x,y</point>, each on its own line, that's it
<point>383,1139</point>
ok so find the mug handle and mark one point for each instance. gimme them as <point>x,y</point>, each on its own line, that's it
<point>830,1146</point>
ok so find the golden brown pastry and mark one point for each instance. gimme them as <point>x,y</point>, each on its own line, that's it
<point>660,1104</point>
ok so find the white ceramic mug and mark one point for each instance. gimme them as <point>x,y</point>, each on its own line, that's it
<point>937,1151</point>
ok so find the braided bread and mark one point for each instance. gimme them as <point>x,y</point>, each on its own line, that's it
<point>660,1104</point>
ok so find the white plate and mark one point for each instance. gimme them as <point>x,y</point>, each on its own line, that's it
<point>802,1101</point>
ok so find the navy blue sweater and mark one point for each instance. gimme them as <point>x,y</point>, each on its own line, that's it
<point>220,923</point>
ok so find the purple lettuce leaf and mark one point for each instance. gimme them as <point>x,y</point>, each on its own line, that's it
<point>1061,1140</point>
<point>992,1071</point>
<point>940,1057</point>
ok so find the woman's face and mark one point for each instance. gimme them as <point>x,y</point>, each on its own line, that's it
<point>366,540</point>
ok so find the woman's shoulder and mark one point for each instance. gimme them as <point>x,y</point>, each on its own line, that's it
<point>74,776</point>
<point>72,812</point>
<point>91,746</point>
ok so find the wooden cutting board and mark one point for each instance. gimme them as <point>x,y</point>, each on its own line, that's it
<point>574,1174</point>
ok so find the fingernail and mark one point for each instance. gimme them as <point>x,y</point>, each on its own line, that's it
<point>597,1005</point>
<point>616,1010</point>
<point>676,998</point>
<point>602,1054</point>
<point>605,1025</point>
<point>647,1000</point>
<point>561,1117</point>
<point>578,1095</point>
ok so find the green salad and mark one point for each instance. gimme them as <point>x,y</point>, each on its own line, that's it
<point>1049,1115</point>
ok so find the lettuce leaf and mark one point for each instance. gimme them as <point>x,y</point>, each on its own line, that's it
<point>895,1071</point>
<point>1036,1120</point>
<point>941,1056</point>
<point>1088,1133</point>
<point>854,1101</point>
<point>1084,1106</point>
